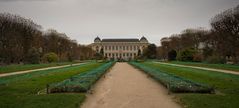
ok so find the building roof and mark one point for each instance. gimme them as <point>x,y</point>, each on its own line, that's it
<point>120,40</point>
<point>143,39</point>
<point>97,39</point>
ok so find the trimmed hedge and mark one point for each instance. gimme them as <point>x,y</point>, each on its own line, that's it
<point>174,83</point>
<point>81,82</point>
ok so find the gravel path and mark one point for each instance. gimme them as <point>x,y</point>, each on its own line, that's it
<point>126,87</point>
<point>203,68</point>
<point>28,71</point>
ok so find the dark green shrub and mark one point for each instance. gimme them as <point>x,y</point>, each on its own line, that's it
<point>186,55</point>
<point>150,52</point>
<point>50,57</point>
<point>33,56</point>
<point>172,55</point>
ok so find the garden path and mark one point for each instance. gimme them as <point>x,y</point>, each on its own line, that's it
<point>203,68</point>
<point>28,71</point>
<point>126,87</point>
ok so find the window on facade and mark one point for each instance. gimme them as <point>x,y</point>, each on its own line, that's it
<point>130,48</point>
<point>109,47</point>
<point>130,54</point>
<point>134,48</point>
<point>97,48</point>
<point>106,54</point>
<point>123,47</point>
<point>116,47</point>
<point>105,48</point>
<point>127,47</point>
<point>123,54</point>
<point>109,54</point>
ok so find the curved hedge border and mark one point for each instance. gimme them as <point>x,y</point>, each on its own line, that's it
<point>81,82</point>
<point>174,83</point>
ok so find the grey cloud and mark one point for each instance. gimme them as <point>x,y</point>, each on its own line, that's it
<point>22,0</point>
<point>84,19</point>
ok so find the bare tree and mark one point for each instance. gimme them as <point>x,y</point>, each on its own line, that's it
<point>226,29</point>
<point>19,36</point>
<point>16,35</point>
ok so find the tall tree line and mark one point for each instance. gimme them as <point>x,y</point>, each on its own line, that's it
<point>220,43</point>
<point>20,37</point>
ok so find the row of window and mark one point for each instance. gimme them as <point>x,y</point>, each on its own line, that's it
<point>120,54</point>
<point>121,48</point>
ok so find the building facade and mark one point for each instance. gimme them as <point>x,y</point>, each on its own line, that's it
<point>125,49</point>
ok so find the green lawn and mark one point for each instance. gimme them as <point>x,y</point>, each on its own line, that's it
<point>226,85</point>
<point>18,67</point>
<point>216,66</point>
<point>23,92</point>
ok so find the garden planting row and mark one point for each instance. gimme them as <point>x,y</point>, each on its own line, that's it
<point>174,83</point>
<point>81,82</point>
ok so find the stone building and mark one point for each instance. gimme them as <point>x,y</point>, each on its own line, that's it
<point>125,49</point>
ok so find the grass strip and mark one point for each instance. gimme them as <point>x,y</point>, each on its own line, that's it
<point>174,83</point>
<point>226,87</point>
<point>24,93</point>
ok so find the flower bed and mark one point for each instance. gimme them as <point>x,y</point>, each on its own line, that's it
<point>81,82</point>
<point>174,83</point>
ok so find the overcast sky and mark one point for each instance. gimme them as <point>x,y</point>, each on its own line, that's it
<point>83,20</point>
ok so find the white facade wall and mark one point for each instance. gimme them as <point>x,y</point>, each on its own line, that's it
<point>120,50</point>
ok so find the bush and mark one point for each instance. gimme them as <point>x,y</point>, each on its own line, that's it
<point>186,55</point>
<point>215,59</point>
<point>50,57</point>
<point>33,56</point>
<point>172,55</point>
